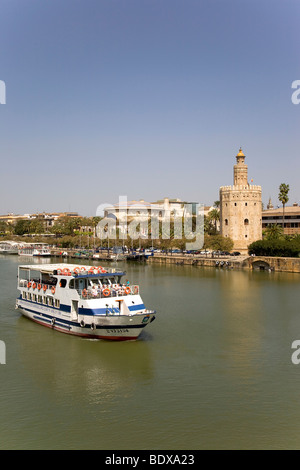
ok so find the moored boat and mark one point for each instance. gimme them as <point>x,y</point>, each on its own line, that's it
<point>86,301</point>
<point>35,249</point>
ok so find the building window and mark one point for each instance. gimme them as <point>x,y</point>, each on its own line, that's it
<point>246,222</point>
<point>226,221</point>
<point>246,236</point>
<point>235,203</point>
<point>246,204</point>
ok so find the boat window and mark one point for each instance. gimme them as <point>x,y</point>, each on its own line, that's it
<point>29,296</point>
<point>35,275</point>
<point>71,284</point>
<point>50,301</point>
<point>40,299</point>
<point>63,283</point>
<point>45,300</point>
<point>80,284</point>
<point>57,303</point>
<point>23,295</point>
<point>47,279</point>
<point>34,297</point>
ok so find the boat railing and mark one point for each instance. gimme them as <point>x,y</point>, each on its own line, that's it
<point>107,292</point>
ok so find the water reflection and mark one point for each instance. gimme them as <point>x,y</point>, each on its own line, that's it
<point>99,371</point>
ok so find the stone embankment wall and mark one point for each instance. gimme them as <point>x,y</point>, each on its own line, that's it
<point>239,262</point>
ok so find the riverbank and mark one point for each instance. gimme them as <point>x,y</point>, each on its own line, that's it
<point>267,263</point>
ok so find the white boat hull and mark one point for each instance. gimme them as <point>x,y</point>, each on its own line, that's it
<point>113,327</point>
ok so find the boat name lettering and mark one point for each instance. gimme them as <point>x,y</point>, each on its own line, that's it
<point>123,330</point>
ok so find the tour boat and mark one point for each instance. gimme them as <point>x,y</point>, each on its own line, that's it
<point>35,249</point>
<point>86,301</point>
<point>9,248</point>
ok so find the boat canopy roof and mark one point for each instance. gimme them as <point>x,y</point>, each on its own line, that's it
<point>74,269</point>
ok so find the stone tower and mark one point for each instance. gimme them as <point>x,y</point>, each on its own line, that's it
<point>241,208</point>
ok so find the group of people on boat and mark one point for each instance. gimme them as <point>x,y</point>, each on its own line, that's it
<point>97,290</point>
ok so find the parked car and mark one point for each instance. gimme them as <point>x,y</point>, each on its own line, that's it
<point>235,253</point>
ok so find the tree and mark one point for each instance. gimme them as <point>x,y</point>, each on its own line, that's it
<point>283,198</point>
<point>22,226</point>
<point>273,232</point>
<point>214,216</point>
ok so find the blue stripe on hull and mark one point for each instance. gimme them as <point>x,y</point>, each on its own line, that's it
<point>45,318</point>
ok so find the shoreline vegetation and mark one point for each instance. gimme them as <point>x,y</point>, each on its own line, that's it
<point>81,233</point>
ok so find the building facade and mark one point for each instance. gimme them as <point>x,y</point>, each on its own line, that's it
<point>241,208</point>
<point>274,216</point>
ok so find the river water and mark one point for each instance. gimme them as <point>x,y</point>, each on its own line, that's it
<point>213,371</point>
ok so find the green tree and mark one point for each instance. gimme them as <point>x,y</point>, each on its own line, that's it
<point>283,198</point>
<point>22,227</point>
<point>273,232</point>
<point>214,216</point>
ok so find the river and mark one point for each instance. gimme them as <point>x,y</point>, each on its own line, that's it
<point>213,371</point>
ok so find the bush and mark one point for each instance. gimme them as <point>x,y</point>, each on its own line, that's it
<point>277,247</point>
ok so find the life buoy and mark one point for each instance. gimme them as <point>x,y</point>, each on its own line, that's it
<point>82,268</point>
<point>84,293</point>
<point>53,290</point>
<point>127,290</point>
<point>29,285</point>
<point>76,270</point>
<point>66,272</point>
<point>135,290</point>
<point>44,287</point>
<point>106,292</point>
<point>103,270</point>
<point>34,285</point>
<point>59,271</point>
<point>39,286</point>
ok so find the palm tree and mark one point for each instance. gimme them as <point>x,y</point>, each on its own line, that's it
<point>283,198</point>
<point>273,232</point>
<point>214,216</point>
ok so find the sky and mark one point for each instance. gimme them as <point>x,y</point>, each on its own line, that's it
<point>145,99</point>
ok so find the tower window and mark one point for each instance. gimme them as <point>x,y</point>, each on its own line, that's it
<point>235,203</point>
<point>226,221</point>
<point>246,222</point>
<point>246,204</point>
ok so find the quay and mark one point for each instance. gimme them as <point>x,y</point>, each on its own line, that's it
<point>261,263</point>
<point>243,261</point>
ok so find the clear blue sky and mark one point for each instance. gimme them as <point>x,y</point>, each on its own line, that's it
<point>145,98</point>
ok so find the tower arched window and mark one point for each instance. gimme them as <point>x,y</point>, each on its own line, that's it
<point>246,222</point>
<point>226,221</point>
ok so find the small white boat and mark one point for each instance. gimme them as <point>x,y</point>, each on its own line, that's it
<point>85,301</point>
<point>35,249</point>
